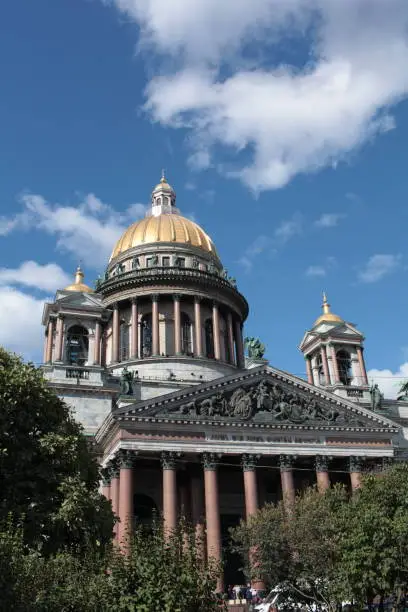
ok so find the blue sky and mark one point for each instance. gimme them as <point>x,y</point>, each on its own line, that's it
<point>281,125</point>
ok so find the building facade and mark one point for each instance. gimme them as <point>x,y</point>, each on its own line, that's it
<point>152,363</point>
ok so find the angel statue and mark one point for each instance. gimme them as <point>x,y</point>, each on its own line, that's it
<point>255,348</point>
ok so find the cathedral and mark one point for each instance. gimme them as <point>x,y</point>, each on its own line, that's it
<point>152,362</point>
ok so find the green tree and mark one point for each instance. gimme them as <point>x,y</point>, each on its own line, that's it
<point>48,475</point>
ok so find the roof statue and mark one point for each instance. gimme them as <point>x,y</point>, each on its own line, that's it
<point>255,348</point>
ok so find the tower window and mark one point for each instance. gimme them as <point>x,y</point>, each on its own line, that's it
<point>166,262</point>
<point>124,342</point>
<point>344,367</point>
<point>146,336</point>
<point>209,338</point>
<point>186,329</point>
<point>77,345</point>
<point>149,262</point>
<point>320,370</point>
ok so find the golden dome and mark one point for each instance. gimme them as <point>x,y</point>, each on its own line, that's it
<point>327,316</point>
<point>164,228</point>
<point>78,285</point>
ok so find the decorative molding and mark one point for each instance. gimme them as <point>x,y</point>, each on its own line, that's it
<point>211,460</point>
<point>249,462</point>
<point>169,459</point>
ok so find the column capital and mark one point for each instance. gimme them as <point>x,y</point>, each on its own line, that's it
<point>61,316</point>
<point>177,297</point>
<point>211,460</point>
<point>169,459</point>
<point>115,305</point>
<point>134,300</point>
<point>113,468</point>
<point>126,459</point>
<point>249,462</point>
<point>155,297</point>
<point>198,299</point>
<point>355,464</point>
<point>387,462</point>
<point>105,476</point>
<point>322,463</point>
<point>215,303</point>
<point>286,462</point>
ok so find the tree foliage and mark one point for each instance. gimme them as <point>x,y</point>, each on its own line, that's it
<point>48,476</point>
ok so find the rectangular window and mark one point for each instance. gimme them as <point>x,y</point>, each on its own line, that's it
<point>166,262</point>
<point>182,262</point>
<point>149,262</point>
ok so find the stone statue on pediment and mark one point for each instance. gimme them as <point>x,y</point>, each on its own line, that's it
<point>126,382</point>
<point>255,348</point>
<point>376,397</point>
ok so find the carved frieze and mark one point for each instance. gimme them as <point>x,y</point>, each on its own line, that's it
<point>268,402</point>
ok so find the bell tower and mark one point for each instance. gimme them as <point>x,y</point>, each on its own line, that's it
<point>333,351</point>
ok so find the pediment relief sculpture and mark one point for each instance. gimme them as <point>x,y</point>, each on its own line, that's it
<point>267,402</point>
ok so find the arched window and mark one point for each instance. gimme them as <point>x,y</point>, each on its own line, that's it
<point>146,336</point>
<point>77,345</point>
<point>227,346</point>
<point>186,344</point>
<point>320,370</point>
<point>124,342</point>
<point>344,367</point>
<point>209,338</point>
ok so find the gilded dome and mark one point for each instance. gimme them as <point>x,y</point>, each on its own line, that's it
<point>78,285</point>
<point>327,316</point>
<point>170,228</point>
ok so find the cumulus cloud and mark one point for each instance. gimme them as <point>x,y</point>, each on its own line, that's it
<point>88,231</point>
<point>379,266</point>
<point>48,277</point>
<point>20,322</point>
<point>226,87</point>
<point>328,220</point>
<point>388,381</point>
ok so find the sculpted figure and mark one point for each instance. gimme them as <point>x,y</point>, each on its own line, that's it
<point>376,397</point>
<point>255,348</point>
<point>126,380</point>
<point>241,403</point>
<point>135,263</point>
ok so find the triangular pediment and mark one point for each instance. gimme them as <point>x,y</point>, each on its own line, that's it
<point>79,300</point>
<point>262,397</point>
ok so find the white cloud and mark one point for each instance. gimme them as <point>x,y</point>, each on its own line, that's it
<point>378,266</point>
<point>286,119</point>
<point>321,269</point>
<point>258,246</point>
<point>329,219</point>
<point>388,381</point>
<point>288,229</point>
<point>88,231</point>
<point>48,277</point>
<point>20,323</point>
<point>316,271</point>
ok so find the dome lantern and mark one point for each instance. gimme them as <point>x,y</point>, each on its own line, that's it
<point>163,198</point>
<point>327,315</point>
<point>79,285</point>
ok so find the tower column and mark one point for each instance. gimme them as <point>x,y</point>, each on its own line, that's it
<point>135,329</point>
<point>198,348</point>
<point>212,512</point>
<point>239,345</point>
<point>169,492</point>
<point>309,370</point>
<point>60,332</point>
<point>50,334</point>
<point>125,510</point>
<point>363,370</point>
<point>335,364</point>
<point>177,324</point>
<point>155,325</point>
<point>287,481</point>
<point>97,345</point>
<point>322,473</point>
<point>230,329</point>
<point>325,365</point>
<point>115,333</point>
<point>216,330</point>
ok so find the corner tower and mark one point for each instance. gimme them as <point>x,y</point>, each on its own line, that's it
<point>333,351</point>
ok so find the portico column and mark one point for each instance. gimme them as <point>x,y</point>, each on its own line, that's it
<point>115,333</point>
<point>114,494</point>
<point>230,329</point>
<point>216,330</point>
<point>355,464</point>
<point>239,344</point>
<point>309,370</point>
<point>155,325</point>
<point>134,332</point>
<point>288,486</point>
<point>197,512</point>
<point>177,324</point>
<point>335,364</point>
<point>169,492</point>
<point>125,498</point>
<point>325,365</point>
<point>322,473</point>
<point>50,335</point>
<point>212,512</point>
<point>97,345</point>
<point>198,348</point>
<point>362,365</point>
<point>251,504</point>
<point>106,480</point>
<point>60,331</point>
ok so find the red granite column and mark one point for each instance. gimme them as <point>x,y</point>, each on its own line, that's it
<point>50,337</point>
<point>364,378</point>
<point>325,365</point>
<point>106,479</point>
<point>115,334</point>
<point>322,473</point>
<point>197,512</point>
<point>177,324</point>
<point>239,345</point>
<point>355,464</point>
<point>97,343</point>
<point>114,492</point>
<point>134,332</point>
<point>155,325</point>
<point>126,498</point>
<point>198,352</point>
<point>169,492</point>
<point>251,504</point>
<point>335,364</point>
<point>212,512</point>
<point>59,344</point>
<point>288,486</point>
<point>309,370</point>
<point>230,329</point>
<point>216,331</point>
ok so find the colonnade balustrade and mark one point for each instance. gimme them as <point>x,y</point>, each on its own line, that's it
<point>120,480</point>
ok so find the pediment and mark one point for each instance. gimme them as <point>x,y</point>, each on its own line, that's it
<point>262,397</point>
<point>81,300</point>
